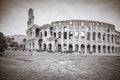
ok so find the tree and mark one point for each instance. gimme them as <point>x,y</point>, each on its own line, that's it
<point>3,44</point>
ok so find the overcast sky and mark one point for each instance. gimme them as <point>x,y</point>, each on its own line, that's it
<point>14,13</point>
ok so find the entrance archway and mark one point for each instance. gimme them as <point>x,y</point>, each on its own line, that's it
<point>59,48</point>
<point>99,49</point>
<point>108,49</point>
<point>76,47</point>
<point>82,48</point>
<point>88,48</point>
<point>40,44</point>
<point>44,47</point>
<point>70,47</point>
<point>94,48</point>
<point>112,49</point>
<point>50,47</point>
<point>104,49</point>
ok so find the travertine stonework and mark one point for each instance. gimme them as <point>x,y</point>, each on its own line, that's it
<point>83,36</point>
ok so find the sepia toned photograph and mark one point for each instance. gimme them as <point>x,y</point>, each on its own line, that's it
<point>59,39</point>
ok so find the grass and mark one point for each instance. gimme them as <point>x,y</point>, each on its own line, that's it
<point>20,65</point>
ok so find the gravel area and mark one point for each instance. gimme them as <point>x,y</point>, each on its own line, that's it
<point>21,65</point>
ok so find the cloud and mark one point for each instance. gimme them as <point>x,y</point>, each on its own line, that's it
<point>14,13</point>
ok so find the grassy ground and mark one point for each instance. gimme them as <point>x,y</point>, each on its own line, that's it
<point>19,65</point>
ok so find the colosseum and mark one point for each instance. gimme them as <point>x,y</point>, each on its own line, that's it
<point>69,36</point>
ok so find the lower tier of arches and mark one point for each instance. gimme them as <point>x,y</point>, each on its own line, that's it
<point>76,48</point>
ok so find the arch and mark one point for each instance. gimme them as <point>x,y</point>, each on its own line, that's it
<point>70,47</point>
<point>54,34</point>
<point>37,32</point>
<point>116,49</point>
<point>88,48</point>
<point>112,38</point>
<point>65,35</point>
<point>59,34</point>
<point>88,35</point>
<point>45,33</point>
<point>40,44</point>
<point>94,36</point>
<point>108,37</point>
<point>108,49</point>
<point>70,34</point>
<point>94,48</point>
<point>31,34</point>
<point>83,48</point>
<point>76,47</point>
<point>82,34</point>
<point>59,48</point>
<point>99,49</point>
<point>50,47</point>
<point>112,49</point>
<point>65,28</point>
<point>99,36</point>
<point>33,45</point>
<point>30,13</point>
<point>104,49</point>
<point>64,45</point>
<point>104,36</point>
<point>30,45</point>
<point>51,28</point>
<point>44,47</point>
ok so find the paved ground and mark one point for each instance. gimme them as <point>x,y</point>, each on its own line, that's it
<point>21,65</point>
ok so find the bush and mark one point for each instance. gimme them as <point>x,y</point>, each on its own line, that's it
<point>3,44</point>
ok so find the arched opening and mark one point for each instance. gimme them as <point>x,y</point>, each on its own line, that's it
<point>108,37</point>
<point>70,34</point>
<point>108,49</point>
<point>112,49</point>
<point>116,49</point>
<point>88,48</point>
<point>50,47</point>
<point>82,34</point>
<point>88,35</point>
<point>99,49</point>
<point>59,48</point>
<point>31,34</point>
<point>59,34</point>
<point>37,32</point>
<point>33,45</point>
<point>45,33</point>
<point>30,45</point>
<point>104,37</point>
<point>112,38</point>
<point>76,47</point>
<point>65,46</point>
<point>54,34</point>
<point>40,44</point>
<point>44,47</point>
<point>70,47</point>
<point>104,49</point>
<point>65,35</point>
<point>82,48</point>
<point>94,36</point>
<point>94,48</point>
<point>99,36</point>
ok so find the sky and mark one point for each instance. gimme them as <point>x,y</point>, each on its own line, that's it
<point>14,13</point>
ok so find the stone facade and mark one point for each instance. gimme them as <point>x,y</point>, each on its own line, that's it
<point>83,36</point>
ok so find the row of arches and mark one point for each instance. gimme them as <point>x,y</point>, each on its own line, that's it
<point>104,37</point>
<point>82,48</point>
